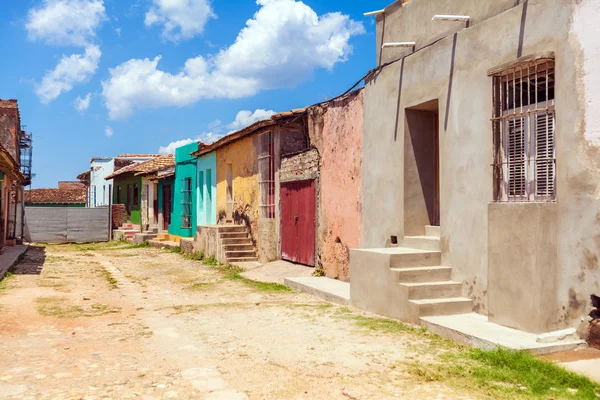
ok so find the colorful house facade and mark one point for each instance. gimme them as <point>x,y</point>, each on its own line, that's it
<point>206,209</point>
<point>185,198</point>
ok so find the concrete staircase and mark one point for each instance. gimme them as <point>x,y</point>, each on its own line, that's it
<point>407,281</point>
<point>126,232</point>
<point>236,244</point>
<point>146,236</point>
<point>429,286</point>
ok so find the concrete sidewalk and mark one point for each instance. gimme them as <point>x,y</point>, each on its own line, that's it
<point>10,256</point>
<point>275,272</point>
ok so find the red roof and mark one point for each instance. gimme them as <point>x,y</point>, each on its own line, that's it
<point>55,196</point>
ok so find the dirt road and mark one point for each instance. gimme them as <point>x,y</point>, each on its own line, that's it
<point>111,321</point>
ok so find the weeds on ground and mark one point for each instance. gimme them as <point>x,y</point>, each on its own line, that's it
<point>211,261</point>
<point>57,307</point>
<point>195,256</point>
<point>5,282</point>
<point>198,286</point>
<point>175,249</point>
<point>112,282</point>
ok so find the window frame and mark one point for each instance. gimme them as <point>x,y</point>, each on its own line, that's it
<point>266,175</point>
<point>518,77</point>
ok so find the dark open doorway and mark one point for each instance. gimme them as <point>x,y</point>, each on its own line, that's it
<point>421,168</point>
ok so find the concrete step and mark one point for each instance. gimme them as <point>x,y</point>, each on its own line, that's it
<point>423,274</point>
<point>233,235</point>
<point>431,230</point>
<point>421,242</point>
<point>449,306</point>
<point>238,254</point>
<point>232,229</point>
<point>233,260</point>
<point>433,290</point>
<point>238,247</point>
<point>244,240</point>
<point>408,258</point>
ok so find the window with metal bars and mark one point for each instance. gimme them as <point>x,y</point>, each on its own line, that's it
<point>266,169</point>
<point>186,203</point>
<point>524,122</point>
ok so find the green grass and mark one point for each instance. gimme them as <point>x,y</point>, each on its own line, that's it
<point>233,273</point>
<point>176,249</point>
<point>195,256</point>
<point>211,261</point>
<point>198,286</point>
<point>5,282</point>
<point>57,307</point>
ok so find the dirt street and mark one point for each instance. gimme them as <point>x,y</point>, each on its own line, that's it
<point>112,321</point>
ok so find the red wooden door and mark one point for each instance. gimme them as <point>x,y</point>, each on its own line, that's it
<point>166,206</point>
<point>298,222</point>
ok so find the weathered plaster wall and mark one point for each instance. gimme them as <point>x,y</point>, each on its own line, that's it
<point>337,134</point>
<point>242,155</point>
<point>100,169</point>
<point>454,71</point>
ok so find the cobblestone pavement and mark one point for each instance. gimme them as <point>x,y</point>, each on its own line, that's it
<point>111,321</point>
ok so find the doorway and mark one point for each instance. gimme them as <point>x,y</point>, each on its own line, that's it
<point>298,213</point>
<point>167,205</point>
<point>421,168</point>
<point>229,199</point>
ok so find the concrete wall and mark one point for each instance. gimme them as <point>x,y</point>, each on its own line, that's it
<point>207,189</point>
<point>454,71</point>
<point>100,169</point>
<point>66,224</point>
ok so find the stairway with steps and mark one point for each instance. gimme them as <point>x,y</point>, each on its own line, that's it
<point>126,232</point>
<point>406,281</point>
<point>236,245</point>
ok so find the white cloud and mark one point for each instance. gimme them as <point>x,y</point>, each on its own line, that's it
<point>108,131</point>
<point>82,104</point>
<point>246,118</point>
<point>243,119</point>
<point>280,47</point>
<point>170,148</point>
<point>181,19</point>
<point>65,22</point>
<point>71,70</point>
<point>214,124</point>
<point>118,31</point>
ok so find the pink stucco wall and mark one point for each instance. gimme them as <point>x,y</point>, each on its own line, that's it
<point>340,198</point>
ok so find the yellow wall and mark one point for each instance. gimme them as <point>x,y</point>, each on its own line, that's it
<point>242,154</point>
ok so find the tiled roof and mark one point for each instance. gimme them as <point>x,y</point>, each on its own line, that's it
<point>159,162</point>
<point>137,155</point>
<point>156,164</point>
<point>55,196</point>
<point>84,176</point>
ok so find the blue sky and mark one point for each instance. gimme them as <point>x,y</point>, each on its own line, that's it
<point>89,83</point>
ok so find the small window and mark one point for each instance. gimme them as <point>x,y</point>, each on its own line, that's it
<point>524,122</point>
<point>186,203</point>
<point>136,194</point>
<point>266,170</point>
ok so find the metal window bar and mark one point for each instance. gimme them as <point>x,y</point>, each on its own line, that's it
<point>266,183</point>
<point>524,132</point>
<point>186,203</point>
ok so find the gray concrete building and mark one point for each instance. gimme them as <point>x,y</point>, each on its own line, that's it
<point>481,163</point>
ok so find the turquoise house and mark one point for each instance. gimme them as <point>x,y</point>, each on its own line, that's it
<point>183,216</point>
<point>206,209</point>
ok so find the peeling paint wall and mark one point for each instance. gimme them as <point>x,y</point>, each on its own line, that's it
<point>337,132</point>
<point>242,155</point>
<point>454,71</point>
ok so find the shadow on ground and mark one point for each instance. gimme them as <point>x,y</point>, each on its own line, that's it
<point>32,262</point>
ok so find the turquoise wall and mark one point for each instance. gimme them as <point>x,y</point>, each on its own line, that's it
<point>185,167</point>
<point>206,192</point>
<point>160,193</point>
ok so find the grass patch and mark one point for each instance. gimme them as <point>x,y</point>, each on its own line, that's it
<point>175,249</point>
<point>144,245</point>
<point>112,282</point>
<point>56,307</point>
<point>506,374</point>
<point>235,275</point>
<point>211,262</point>
<point>195,256</point>
<point>55,259</point>
<point>186,308</point>
<point>5,282</point>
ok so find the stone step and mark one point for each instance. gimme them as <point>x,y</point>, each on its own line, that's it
<point>409,258</point>
<point>238,254</point>
<point>234,260</point>
<point>431,230</point>
<point>433,290</point>
<point>423,274</point>
<point>232,229</point>
<point>238,247</point>
<point>244,240</point>
<point>449,306</point>
<point>233,235</point>
<point>421,242</point>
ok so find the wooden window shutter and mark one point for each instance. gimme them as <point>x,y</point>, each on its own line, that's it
<point>545,167</point>
<point>516,159</point>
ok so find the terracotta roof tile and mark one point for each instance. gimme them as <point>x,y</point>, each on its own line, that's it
<point>55,196</point>
<point>159,162</point>
<point>137,155</point>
